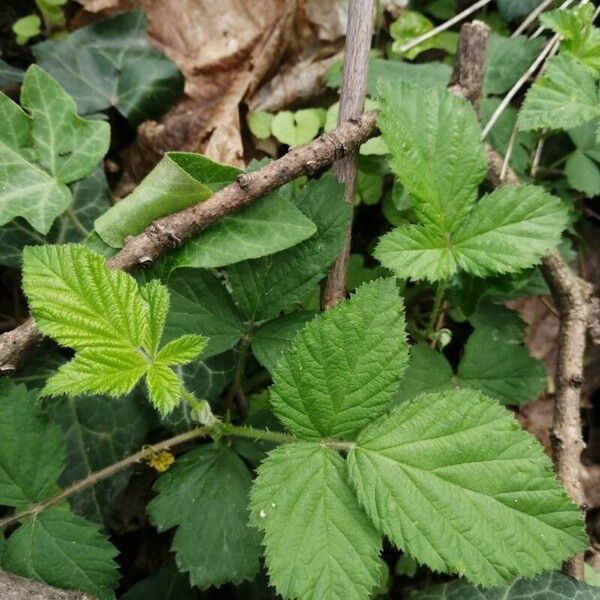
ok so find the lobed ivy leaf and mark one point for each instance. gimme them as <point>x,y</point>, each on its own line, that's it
<point>44,146</point>
<point>344,365</point>
<point>213,541</point>
<point>549,586</point>
<point>418,474</point>
<point>564,98</point>
<point>318,543</point>
<point>111,63</point>
<point>9,75</point>
<point>114,327</point>
<point>64,550</point>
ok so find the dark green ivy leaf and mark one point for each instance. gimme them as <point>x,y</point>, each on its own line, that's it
<point>9,75</point>
<point>111,63</point>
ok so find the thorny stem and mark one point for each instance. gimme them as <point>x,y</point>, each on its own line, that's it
<point>217,430</point>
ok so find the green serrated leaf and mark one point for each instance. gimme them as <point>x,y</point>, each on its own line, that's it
<point>436,152</point>
<point>273,338</point>
<point>43,149</point>
<point>583,174</point>
<point>200,304</point>
<point>549,586</point>
<point>418,474</point>
<point>509,229</point>
<point>318,543</point>
<point>565,97</point>
<point>344,365</point>
<point>190,498</point>
<point>156,296</point>
<point>501,369</point>
<point>506,322</point>
<point>32,451</point>
<point>411,24</point>
<point>164,387</point>
<point>266,286</point>
<point>182,350</point>
<point>63,550</point>
<point>111,63</point>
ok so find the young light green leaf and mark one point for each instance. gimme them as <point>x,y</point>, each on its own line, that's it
<point>296,128</point>
<point>508,230</point>
<point>318,543</point>
<point>259,123</point>
<point>43,149</point>
<point>63,550</point>
<point>32,451</point>
<point>182,350</point>
<point>411,24</point>
<point>437,155</point>
<point>190,498</point>
<point>549,586</point>
<point>418,474</point>
<point>500,368</point>
<point>273,338</point>
<point>344,365</point>
<point>565,97</point>
<point>266,286</point>
<point>114,327</point>
<point>111,63</point>
<point>200,304</point>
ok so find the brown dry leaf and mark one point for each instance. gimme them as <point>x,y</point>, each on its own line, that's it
<point>330,18</point>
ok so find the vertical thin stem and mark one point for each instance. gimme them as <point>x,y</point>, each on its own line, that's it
<point>438,303</point>
<point>235,390</point>
<point>352,99</point>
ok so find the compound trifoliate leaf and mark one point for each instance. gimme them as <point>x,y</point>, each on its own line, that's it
<point>42,148</point>
<point>436,152</point>
<point>63,550</point>
<point>453,480</point>
<point>344,365</point>
<point>319,545</point>
<point>32,451</point>
<point>565,97</point>
<point>213,541</point>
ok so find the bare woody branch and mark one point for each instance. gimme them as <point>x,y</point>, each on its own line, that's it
<point>13,587</point>
<point>352,101</point>
<point>172,231</point>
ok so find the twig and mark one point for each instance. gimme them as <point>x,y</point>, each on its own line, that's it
<point>531,17</point>
<point>352,100</point>
<point>94,478</point>
<point>13,587</point>
<point>173,230</point>
<point>509,151</point>
<point>445,25</point>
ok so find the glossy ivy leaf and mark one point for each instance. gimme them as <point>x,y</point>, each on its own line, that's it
<point>564,98</point>
<point>63,550</point>
<point>506,59</point>
<point>296,128</point>
<point>264,287</point>
<point>30,462</point>
<point>428,74</point>
<point>418,474</point>
<point>213,541</point>
<point>548,586</point>
<point>9,75</point>
<point>437,155</point>
<point>318,543</point>
<point>111,63</point>
<point>45,146</point>
<point>101,313</point>
<point>508,230</point>
<point>273,338</point>
<point>91,197</point>
<point>499,319</point>
<point>344,365</point>
<point>200,304</point>
<point>98,432</point>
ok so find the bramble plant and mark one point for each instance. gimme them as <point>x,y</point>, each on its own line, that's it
<point>323,437</point>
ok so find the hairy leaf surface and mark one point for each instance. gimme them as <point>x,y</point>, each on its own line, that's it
<point>451,479</point>
<point>344,365</point>
<point>318,543</point>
